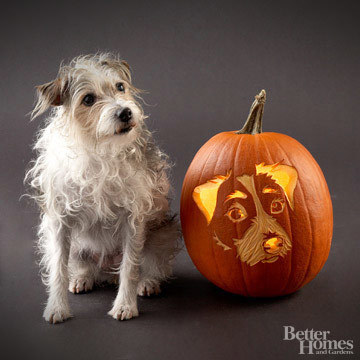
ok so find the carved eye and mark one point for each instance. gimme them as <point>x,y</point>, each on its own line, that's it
<point>277,206</point>
<point>120,86</point>
<point>236,213</point>
<point>88,100</point>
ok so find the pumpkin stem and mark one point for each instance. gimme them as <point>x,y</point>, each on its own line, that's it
<point>253,124</point>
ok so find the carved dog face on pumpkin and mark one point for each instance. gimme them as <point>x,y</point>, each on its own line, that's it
<point>264,239</point>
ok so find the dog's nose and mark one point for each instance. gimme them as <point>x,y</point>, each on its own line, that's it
<point>273,245</point>
<point>124,115</point>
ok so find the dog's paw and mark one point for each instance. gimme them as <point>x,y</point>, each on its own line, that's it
<point>81,284</point>
<point>123,312</point>
<point>56,315</point>
<point>148,288</point>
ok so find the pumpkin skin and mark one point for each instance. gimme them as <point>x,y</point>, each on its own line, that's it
<point>291,247</point>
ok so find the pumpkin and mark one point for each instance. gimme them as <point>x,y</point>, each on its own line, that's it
<point>256,212</point>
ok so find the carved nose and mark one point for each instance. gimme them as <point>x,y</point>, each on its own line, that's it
<point>273,245</point>
<point>125,115</point>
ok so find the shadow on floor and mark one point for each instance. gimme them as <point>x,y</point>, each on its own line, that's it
<point>182,296</point>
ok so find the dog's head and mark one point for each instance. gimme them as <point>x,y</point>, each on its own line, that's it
<point>95,97</point>
<point>255,206</point>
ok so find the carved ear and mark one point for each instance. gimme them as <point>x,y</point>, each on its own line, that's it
<point>49,94</point>
<point>205,195</point>
<point>285,176</point>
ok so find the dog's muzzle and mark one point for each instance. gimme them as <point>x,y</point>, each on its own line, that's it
<point>126,124</point>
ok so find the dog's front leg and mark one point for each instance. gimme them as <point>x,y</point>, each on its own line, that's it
<point>125,304</point>
<point>56,256</point>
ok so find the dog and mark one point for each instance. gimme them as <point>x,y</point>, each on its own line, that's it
<point>102,187</point>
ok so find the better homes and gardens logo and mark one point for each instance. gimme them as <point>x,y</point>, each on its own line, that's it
<point>318,342</point>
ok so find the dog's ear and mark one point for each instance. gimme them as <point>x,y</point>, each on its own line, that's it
<point>52,93</point>
<point>121,66</point>
<point>126,69</point>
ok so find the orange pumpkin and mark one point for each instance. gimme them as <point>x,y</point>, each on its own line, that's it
<point>256,212</point>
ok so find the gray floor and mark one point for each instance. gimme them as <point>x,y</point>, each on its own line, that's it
<point>192,319</point>
<point>202,62</point>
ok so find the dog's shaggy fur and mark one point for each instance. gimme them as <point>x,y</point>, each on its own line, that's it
<point>102,186</point>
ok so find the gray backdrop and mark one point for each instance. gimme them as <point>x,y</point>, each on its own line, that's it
<point>202,62</point>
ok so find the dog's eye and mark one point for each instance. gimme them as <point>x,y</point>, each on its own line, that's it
<point>88,99</point>
<point>236,213</point>
<point>120,86</point>
<point>277,206</point>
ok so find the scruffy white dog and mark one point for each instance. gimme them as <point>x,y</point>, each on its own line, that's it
<point>102,187</point>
